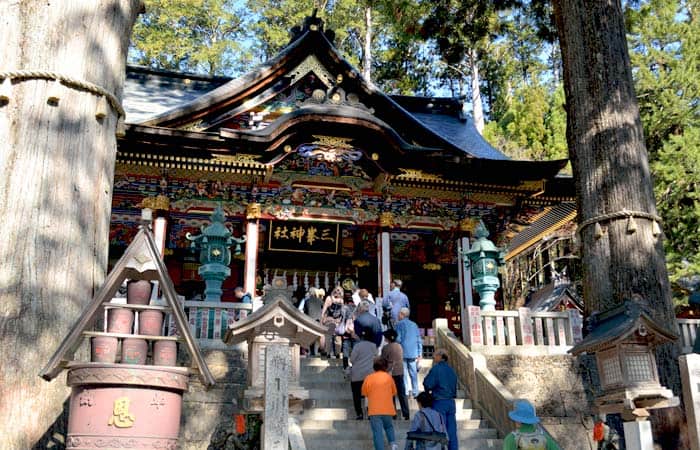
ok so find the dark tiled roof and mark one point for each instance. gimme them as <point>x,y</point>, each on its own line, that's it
<point>618,323</point>
<point>150,92</point>
<point>461,133</point>
<point>542,225</point>
<point>551,296</point>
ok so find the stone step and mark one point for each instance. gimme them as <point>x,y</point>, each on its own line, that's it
<point>320,442</point>
<point>480,427</point>
<point>360,429</point>
<point>347,405</point>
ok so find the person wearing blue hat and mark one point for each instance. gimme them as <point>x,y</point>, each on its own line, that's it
<point>527,436</point>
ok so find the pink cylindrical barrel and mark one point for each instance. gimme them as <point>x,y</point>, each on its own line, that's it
<point>134,351</point>
<point>118,407</point>
<point>164,353</point>
<point>104,349</point>
<point>120,320</point>
<point>150,322</point>
<point>138,292</point>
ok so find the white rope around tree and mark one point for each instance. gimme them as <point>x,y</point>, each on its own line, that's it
<point>623,214</point>
<point>65,80</point>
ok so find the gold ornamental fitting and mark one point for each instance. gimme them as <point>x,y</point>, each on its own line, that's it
<point>253,211</point>
<point>386,219</point>
<point>158,203</point>
<point>468,224</point>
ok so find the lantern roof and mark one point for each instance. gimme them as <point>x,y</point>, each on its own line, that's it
<point>619,324</point>
<point>279,317</point>
<point>482,243</point>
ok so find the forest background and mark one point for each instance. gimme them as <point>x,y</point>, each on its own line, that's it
<point>500,55</point>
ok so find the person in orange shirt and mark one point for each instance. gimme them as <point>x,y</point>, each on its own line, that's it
<point>380,389</point>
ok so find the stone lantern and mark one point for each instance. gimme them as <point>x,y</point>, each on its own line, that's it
<point>214,254</point>
<point>623,341</point>
<point>484,258</point>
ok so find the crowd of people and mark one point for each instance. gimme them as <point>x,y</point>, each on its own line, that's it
<point>381,348</point>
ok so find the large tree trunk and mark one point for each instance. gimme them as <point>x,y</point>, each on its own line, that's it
<point>367,54</point>
<point>57,165</point>
<point>610,166</point>
<point>477,106</point>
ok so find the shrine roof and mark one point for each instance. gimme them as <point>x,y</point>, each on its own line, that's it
<point>551,296</point>
<point>617,324</point>
<point>149,93</point>
<point>547,223</point>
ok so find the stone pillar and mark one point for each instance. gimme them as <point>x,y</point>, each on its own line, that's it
<point>638,435</point>
<point>276,401</point>
<point>465,284</point>
<point>524,329</point>
<point>251,256</point>
<point>472,329</point>
<point>384,260</point>
<point>690,377</point>
<point>160,225</point>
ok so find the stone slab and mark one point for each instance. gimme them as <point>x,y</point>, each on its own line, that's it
<point>690,378</point>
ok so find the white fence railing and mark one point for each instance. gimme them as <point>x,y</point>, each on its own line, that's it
<point>689,330</point>
<point>209,320</point>
<point>501,331</point>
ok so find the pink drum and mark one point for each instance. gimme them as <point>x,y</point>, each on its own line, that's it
<point>120,320</point>
<point>150,322</point>
<point>134,351</point>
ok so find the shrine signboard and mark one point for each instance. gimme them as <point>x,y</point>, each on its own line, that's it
<point>308,237</point>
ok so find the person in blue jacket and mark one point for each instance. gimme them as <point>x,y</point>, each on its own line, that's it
<point>441,382</point>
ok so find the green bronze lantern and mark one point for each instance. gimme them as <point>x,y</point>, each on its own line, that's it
<point>484,258</point>
<point>214,254</point>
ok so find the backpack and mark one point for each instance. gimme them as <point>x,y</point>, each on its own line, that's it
<point>530,441</point>
<point>335,310</point>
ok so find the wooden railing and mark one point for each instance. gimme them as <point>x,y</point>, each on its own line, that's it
<point>689,330</point>
<point>209,320</point>
<point>503,331</point>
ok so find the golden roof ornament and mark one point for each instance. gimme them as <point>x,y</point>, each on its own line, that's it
<point>468,224</point>
<point>253,211</point>
<point>386,219</point>
<point>160,202</point>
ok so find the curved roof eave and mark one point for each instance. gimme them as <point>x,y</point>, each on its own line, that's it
<point>271,69</point>
<point>287,121</point>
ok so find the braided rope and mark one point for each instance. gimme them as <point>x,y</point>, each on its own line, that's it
<point>623,214</point>
<point>68,81</point>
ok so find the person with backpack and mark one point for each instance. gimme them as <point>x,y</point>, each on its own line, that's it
<point>428,430</point>
<point>331,318</point>
<point>528,435</point>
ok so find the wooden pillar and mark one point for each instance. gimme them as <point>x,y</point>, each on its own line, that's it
<point>251,256</point>
<point>384,263</point>
<point>465,285</point>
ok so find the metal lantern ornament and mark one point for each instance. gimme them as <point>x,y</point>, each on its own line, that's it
<point>484,258</point>
<point>214,254</point>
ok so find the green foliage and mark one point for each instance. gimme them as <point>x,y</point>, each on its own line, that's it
<point>677,181</point>
<point>534,125</point>
<point>664,39</point>
<point>189,35</point>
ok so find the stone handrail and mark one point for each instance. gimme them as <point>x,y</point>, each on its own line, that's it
<point>522,330</point>
<point>689,330</point>
<point>483,386</point>
<point>209,320</point>
<point>485,390</point>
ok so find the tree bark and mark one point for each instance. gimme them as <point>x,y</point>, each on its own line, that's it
<point>610,166</point>
<point>367,54</point>
<point>477,106</point>
<point>57,165</point>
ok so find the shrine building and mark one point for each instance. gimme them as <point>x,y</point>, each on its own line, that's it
<point>329,180</point>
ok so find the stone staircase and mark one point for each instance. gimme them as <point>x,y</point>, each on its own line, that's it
<point>330,423</point>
